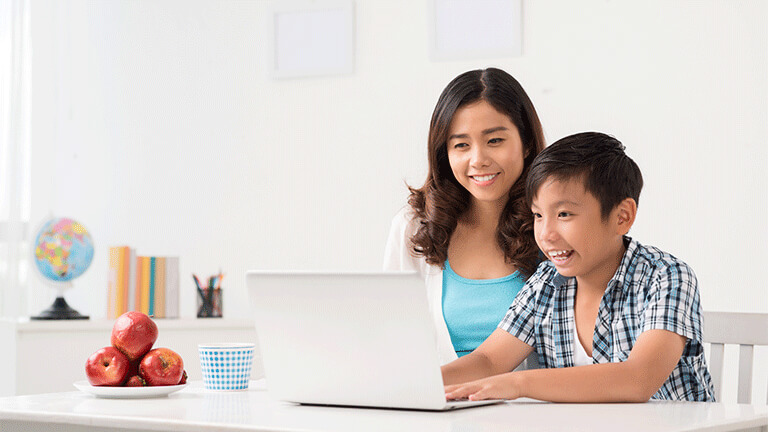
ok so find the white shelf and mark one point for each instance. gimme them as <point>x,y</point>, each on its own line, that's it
<point>48,356</point>
<point>27,325</point>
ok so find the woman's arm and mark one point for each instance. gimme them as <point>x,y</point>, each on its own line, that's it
<point>651,361</point>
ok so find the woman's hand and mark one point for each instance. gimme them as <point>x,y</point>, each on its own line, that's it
<point>503,386</point>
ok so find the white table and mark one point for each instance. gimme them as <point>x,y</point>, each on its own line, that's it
<point>197,409</point>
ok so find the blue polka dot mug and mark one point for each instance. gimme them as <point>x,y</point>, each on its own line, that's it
<point>226,366</point>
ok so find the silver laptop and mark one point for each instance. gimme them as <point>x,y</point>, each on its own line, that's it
<point>352,339</point>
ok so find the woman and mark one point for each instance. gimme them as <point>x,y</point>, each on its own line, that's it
<point>467,230</point>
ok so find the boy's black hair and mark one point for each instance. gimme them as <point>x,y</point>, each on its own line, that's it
<point>597,159</point>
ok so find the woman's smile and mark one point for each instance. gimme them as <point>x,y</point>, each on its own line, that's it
<point>484,180</point>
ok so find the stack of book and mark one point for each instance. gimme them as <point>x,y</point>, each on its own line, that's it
<point>142,283</point>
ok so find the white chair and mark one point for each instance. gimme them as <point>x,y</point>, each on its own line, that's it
<point>743,329</point>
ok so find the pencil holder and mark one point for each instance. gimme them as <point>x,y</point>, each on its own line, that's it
<point>209,303</point>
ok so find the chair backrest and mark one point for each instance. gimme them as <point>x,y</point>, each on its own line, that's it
<point>743,329</point>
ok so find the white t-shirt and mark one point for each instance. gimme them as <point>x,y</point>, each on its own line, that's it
<point>580,357</point>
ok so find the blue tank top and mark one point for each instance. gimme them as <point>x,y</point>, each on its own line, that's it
<point>473,308</point>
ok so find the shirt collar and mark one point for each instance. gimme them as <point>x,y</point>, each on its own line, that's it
<point>626,262</point>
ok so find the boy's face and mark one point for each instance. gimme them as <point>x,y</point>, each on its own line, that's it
<point>570,230</point>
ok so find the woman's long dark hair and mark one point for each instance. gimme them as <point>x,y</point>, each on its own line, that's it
<point>439,203</point>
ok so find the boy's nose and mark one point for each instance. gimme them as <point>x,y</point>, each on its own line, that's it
<point>546,231</point>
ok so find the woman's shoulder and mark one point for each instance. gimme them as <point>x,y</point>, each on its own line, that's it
<point>399,249</point>
<point>405,218</point>
<point>406,213</point>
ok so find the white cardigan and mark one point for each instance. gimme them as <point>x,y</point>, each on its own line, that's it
<point>397,256</point>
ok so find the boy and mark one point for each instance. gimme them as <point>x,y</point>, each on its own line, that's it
<point>611,320</point>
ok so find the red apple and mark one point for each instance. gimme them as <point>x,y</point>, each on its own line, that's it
<point>133,367</point>
<point>107,367</point>
<point>183,379</point>
<point>161,367</point>
<point>133,334</point>
<point>135,381</point>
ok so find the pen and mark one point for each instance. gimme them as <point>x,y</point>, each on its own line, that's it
<point>209,300</point>
<point>203,296</point>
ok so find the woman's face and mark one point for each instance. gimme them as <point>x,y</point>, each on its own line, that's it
<point>485,152</point>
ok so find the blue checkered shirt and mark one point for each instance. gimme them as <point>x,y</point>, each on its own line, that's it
<point>650,290</point>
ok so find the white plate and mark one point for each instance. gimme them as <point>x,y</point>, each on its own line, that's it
<point>127,392</point>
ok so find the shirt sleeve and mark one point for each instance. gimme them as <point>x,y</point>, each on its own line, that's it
<point>672,302</point>
<point>397,253</point>
<point>519,320</point>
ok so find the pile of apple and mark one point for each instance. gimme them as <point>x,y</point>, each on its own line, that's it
<point>131,361</point>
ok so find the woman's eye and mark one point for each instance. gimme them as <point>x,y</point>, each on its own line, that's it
<point>536,215</point>
<point>460,145</point>
<point>495,140</point>
<point>563,214</point>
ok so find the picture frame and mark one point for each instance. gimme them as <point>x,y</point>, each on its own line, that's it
<point>472,29</point>
<point>311,38</point>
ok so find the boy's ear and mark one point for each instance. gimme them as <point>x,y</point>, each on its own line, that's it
<point>626,211</point>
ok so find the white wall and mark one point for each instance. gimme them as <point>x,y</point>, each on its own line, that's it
<point>156,125</point>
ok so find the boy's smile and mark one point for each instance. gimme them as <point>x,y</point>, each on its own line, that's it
<point>571,231</point>
<point>560,257</point>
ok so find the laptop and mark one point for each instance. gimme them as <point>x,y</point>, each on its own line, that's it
<point>349,339</point>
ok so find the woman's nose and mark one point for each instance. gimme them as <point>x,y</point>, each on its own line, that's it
<point>480,157</point>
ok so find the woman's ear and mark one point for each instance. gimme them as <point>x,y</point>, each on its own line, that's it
<point>626,211</point>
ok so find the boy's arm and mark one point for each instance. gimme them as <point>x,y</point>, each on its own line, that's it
<point>651,361</point>
<point>500,353</point>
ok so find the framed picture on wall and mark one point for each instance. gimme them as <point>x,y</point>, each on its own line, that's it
<point>311,38</point>
<point>470,29</point>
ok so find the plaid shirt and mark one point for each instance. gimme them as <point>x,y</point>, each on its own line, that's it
<point>650,290</point>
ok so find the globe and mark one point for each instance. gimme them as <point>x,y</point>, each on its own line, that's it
<point>63,251</point>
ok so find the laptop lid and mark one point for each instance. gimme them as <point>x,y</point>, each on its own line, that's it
<point>357,339</point>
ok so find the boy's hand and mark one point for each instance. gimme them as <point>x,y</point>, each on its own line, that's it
<point>503,386</point>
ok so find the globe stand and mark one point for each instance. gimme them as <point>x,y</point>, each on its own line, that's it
<point>60,310</point>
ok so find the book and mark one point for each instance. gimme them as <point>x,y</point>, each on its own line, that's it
<point>145,275</point>
<point>118,280</point>
<point>148,284</point>
<point>137,287</point>
<point>114,260</point>
<point>132,281</point>
<point>152,280</point>
<point>125,278</point>
<point>160,311</point>
<point>172,287</point>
